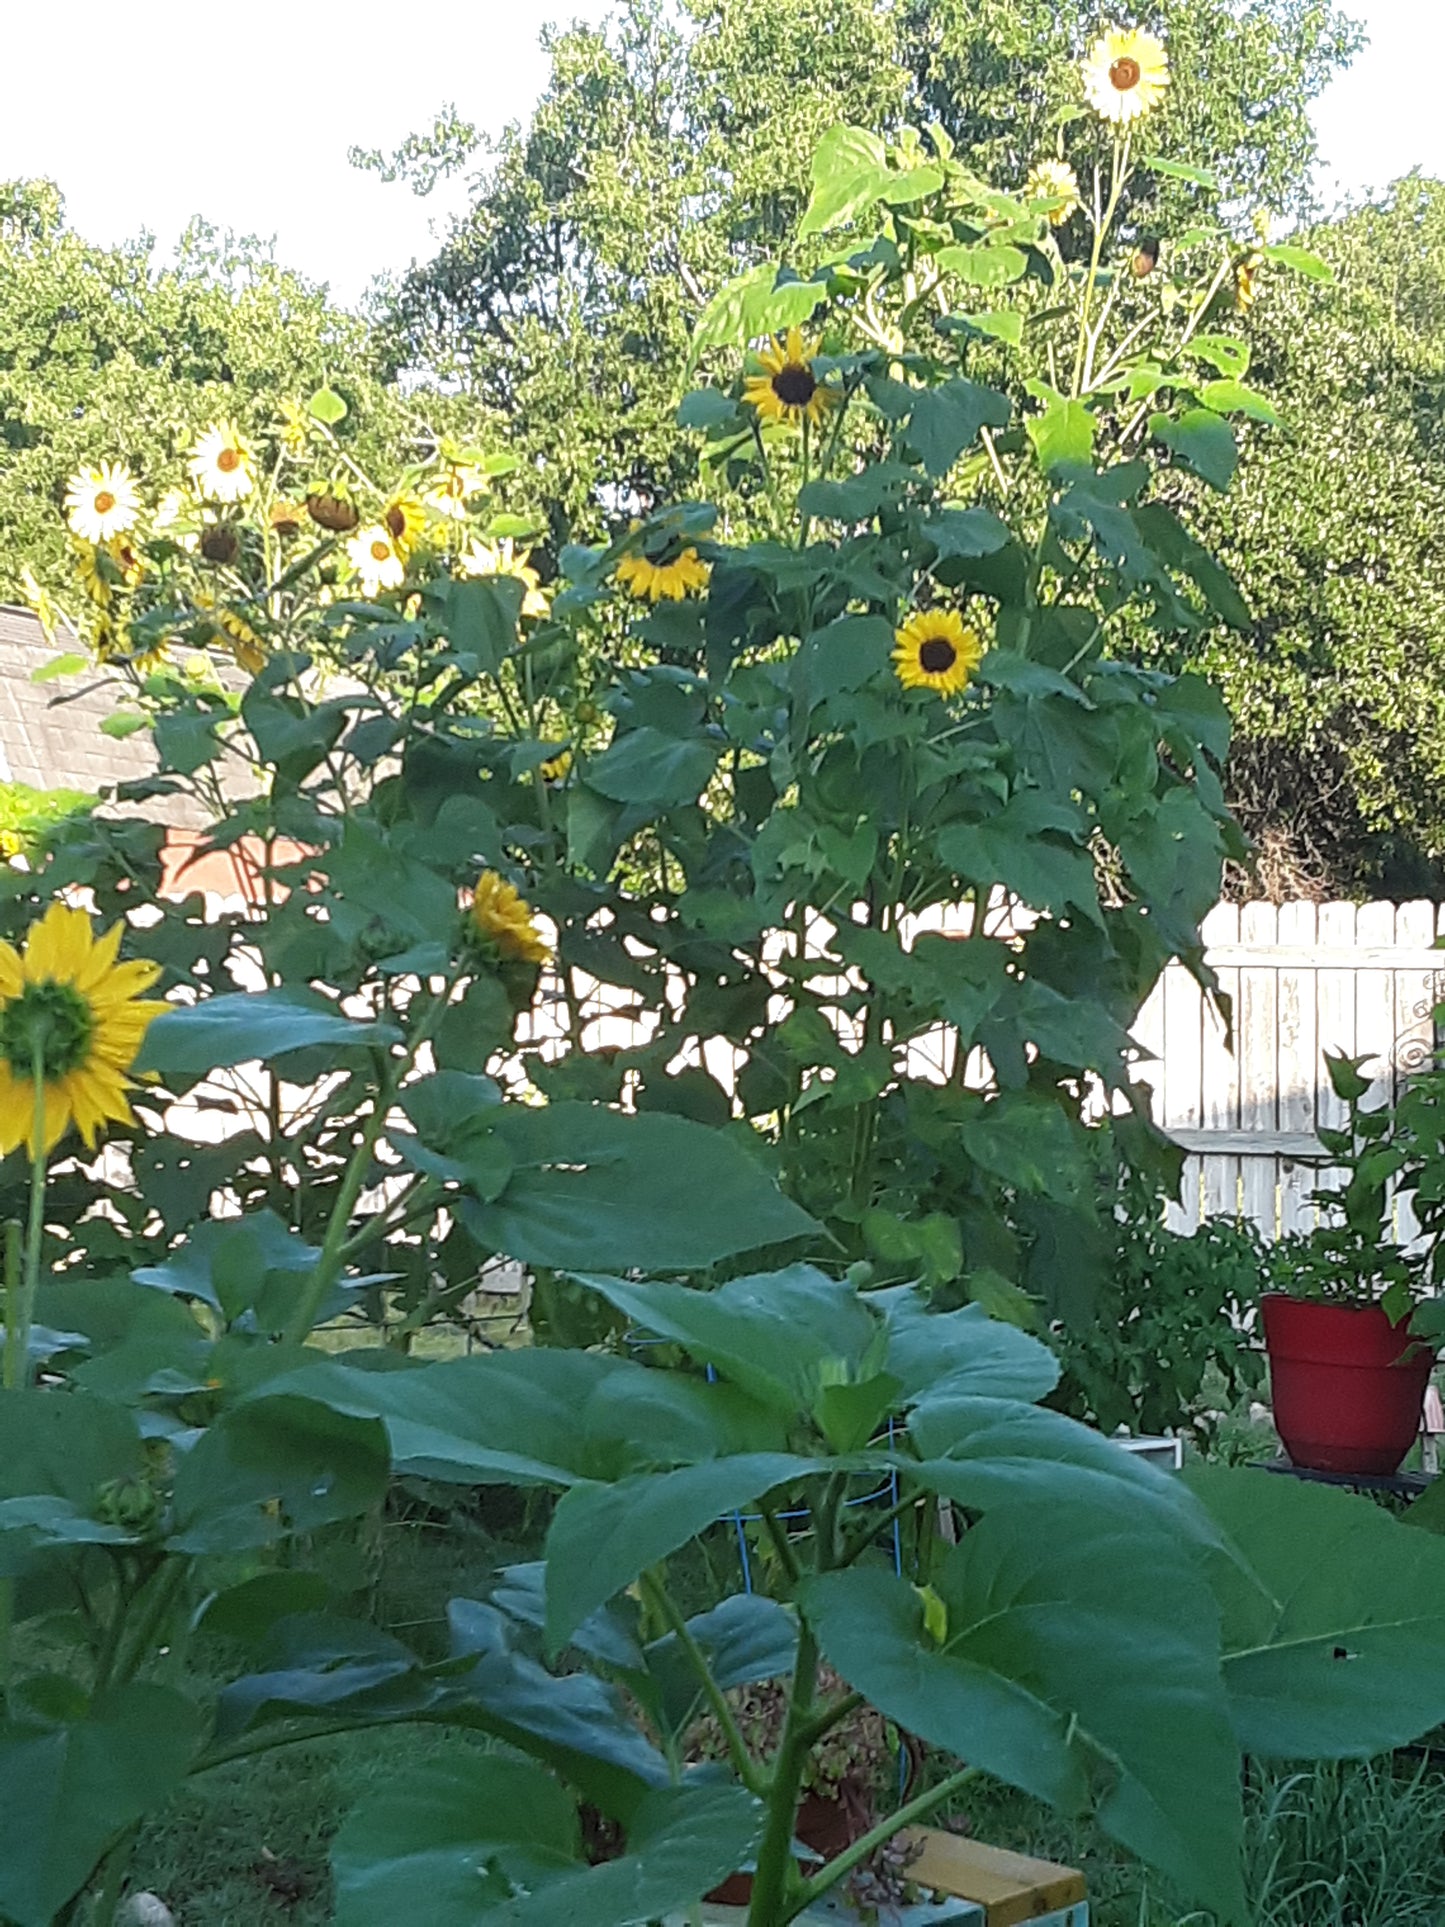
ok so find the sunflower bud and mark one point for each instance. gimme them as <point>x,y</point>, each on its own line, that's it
<point>1146,258</point>
<point>220,543</point>
<point>332,512</point>
<point>129,1504</point>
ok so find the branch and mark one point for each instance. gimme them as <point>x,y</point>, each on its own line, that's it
<point>869,1843</point>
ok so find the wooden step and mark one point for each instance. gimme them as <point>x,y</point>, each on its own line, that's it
<point>1012,1888</point>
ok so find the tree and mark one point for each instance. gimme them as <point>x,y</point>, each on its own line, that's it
<point>106,353</point>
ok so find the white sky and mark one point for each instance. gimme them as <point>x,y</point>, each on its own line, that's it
<point>244,113</point>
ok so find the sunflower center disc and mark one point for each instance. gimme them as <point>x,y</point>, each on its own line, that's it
<point>1124,73</point>
<point>396,523</point>
<point>227,460</point>
<point>53,1016</point>
<point>794,385</point>
<point>937,656</point>
<point>104,502</point>
<point>380,551</point>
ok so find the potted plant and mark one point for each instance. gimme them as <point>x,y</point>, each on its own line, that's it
<point>1350,1337</point>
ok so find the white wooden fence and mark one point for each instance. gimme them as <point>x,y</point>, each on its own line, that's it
<point>1304,978</point>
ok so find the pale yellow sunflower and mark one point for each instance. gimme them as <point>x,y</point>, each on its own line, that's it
<point>376,559</point>
<point>934,650</point>
<point>1054,181</point>
<point>676,574</point>
<point>222,464</point>
<point>450,493</point>
<point>102,502</point>
<point>295,429</point>
<point>1125,74</point>
<point>500,558</point>
<point>789,390</point>
<point>72,1012</point>
<point>404,519</point>
<point>232,631</point>
<point>502,918</point>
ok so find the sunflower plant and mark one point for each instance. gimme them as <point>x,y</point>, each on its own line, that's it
<point>738,937</point>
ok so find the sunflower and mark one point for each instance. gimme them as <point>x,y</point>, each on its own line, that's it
<point>404,518</point>
<point>556,768</point>
<point>295,429</point>
<point>933,650</point>
<point>1246,282</point>
<point>1054,181</point>
<point>70,1010</point>
<point>449,494</point>
<point>376,559</point>
<point>789,391</point>
<point>287,518</point>
<point>500,558</point>
<point>102,502</point>
<point>127,560</point>
<point>94,578</point>
<point>233,632</point>
<point>502,918</point>
<point>1125,74</point>
<point>676,575</point>
<point>222,465</point>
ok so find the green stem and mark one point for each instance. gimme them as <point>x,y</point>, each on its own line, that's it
<point>156,1601</point>
<point>782,1545</point>
<point>875,1528</point>
<point>869,1843</point>
<point>744,1765</point>
<point>20,1316</point>
<point>114,1869</point>
<point>775,1880</point>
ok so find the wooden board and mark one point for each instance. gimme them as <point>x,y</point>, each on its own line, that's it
<point>1011,1888</point>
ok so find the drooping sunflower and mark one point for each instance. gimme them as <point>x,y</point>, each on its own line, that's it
<point>102,502</point>
<point>502,918</point>
<point>376,559</point>
<point>1125,74</point>
<point>556,768</point>
<point>501,558</point>
<point>934,650</point>
<point>449,494</point>
<point>404,519</point>
<point>287,518</point>
<point>94,578</point>
<point>789,390</point>
<point>1054,181</point>
<point>69,1006</point>
<point>675,574</point>
<point>1246,281</point>
<point>232,631</point>
<point>222,465</point>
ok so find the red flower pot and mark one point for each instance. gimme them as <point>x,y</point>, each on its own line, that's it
<point>1347,1385</point>
<point>824,1825</point>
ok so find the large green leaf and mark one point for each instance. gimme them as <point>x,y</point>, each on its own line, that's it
<point>276,1465</point>
<point>1078,1651</point>
<point>60,1453</point>
<point>1201,440</point>
<point>235,1264</point>
<point>603,1536</point>
<point>650,767</point>
<point>747,1637</point>
<point>781,1335</point>
<point>1334,1617</point>
<point>533,1417</point>
<point>598,1188</point>
<point>850,171</point>
<point>245,1027</point>
<point>987,1452</point>
<point>946,420</point>
<point>489,1840</point>
<point>1063,435</point>
<point>68,1787</point>
<point>1030,846</point>
<point>932,1353</point>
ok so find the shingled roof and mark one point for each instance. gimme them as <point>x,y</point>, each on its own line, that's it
<point>50,736</point>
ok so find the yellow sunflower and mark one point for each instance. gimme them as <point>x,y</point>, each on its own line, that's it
<point>556,768</point>
<point>94,579</point>
<point>500,558</point>
<point>789,390</point>
<point>233,632</point>
<point>102,502</point>
<point>933,650</point>
<point>127,560</point>
<point>1246,282</point>
<point>1054,181</point>
<point>295,429</point>
<point>676,575</point>
<point>1125,74</point>
<point>222,465</point>
<point>376,559</point>
<point>404,519</point>
<point>69,1010</point>
<point>502,918</point>
<point>449,494</point>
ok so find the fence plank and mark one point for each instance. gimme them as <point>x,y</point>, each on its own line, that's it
<point>1415,995</point>
<point>1335,1004</point>
<point>1298,1063</point>
<point>1183,1039</point>
<point>1219,1107</point>
<point>1259,1066</point>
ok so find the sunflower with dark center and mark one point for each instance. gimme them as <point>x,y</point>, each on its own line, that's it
<point>668,575</point>
<point>789,389</point>
<point>71,1012</point>
<point>1125,74</point>
<point>934,650</point>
